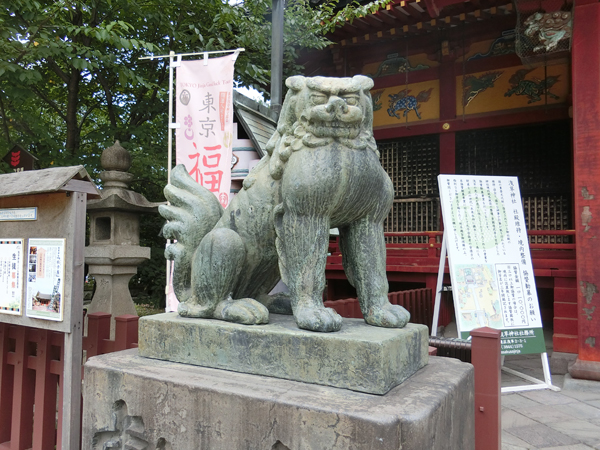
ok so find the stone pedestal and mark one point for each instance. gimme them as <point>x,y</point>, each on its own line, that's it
<point>359,357</point>
<point>136,402</point>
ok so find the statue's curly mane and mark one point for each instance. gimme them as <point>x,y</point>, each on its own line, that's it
<point>292,134</point>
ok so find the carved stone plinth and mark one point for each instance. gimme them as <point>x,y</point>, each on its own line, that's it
<point>358,357</point>
<point>147,403</point>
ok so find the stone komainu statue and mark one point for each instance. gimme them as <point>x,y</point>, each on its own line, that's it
<point>322,171</point>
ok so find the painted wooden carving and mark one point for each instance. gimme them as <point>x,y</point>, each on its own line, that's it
<point>549,29</point>
<point>533,89</point>
<point>504,45</point>
<point>474,85</point>
<point>393,66</point>
<point>376,99</point>
<point>407,103</point>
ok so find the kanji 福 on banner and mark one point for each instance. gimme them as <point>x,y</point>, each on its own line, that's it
<point>204,113</point>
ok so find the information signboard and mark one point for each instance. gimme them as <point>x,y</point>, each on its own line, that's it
<point>45,278</point>
<point>490,264</point>
<point>11,276</point>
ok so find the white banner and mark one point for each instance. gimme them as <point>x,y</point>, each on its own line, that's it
<point>204,112</point>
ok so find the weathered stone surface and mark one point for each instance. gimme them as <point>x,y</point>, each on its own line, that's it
<point>358,357</point>
<point>321,171</point>
<point>114,253</point>
<point>192,407</point>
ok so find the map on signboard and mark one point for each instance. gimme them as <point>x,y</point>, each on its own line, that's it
<point>476,290</point>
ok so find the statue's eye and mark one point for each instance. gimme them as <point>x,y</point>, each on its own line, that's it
<point>318,99</point>
<point>351,100</point>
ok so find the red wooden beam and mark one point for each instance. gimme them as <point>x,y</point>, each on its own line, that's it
<point>472,123</point>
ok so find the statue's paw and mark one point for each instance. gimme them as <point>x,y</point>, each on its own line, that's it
<point>245,310</point>
<point>388,316</point>
<point>192,310</point>
<point>321,319</point>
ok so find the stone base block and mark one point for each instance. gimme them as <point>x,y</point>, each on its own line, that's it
<point>585,370</point>
<point>358,357</point>
<point>144,403</point>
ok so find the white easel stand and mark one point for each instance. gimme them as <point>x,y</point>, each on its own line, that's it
<point>538,384</point>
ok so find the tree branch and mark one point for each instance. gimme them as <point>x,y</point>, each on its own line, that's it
<point>57,70</point>
<point>49,102</point>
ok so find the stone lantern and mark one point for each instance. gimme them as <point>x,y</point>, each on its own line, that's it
<point>114,251</point>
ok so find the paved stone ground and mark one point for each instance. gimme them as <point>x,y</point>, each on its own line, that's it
<point>546,419</point>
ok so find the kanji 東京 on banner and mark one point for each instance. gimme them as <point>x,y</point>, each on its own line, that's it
<point>204,113</point>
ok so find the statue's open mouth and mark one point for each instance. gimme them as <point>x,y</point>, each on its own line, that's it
<point>334,129</point>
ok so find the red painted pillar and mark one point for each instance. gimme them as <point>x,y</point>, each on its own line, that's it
<point>485,357</point>
<point>586,137</point>
<point>447,112</point>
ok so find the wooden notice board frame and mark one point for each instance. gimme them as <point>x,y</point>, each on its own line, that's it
<point>58,196</point>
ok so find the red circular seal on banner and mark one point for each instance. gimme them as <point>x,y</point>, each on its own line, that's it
<point>223,199</point>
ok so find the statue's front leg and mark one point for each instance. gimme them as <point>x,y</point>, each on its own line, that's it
<point>364,258</point>
<point>216,267</point>
<point>302,248</point>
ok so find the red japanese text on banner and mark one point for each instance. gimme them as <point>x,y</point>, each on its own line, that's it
<point>204,112</point>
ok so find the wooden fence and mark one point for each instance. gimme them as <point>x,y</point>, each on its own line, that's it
<point>31,368</point>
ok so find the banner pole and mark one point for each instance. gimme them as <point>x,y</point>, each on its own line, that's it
<point>169,166</point>
<point>170,136</point>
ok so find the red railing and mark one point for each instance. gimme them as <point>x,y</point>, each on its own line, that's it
<point>31,368</point>
<point>432,243</point>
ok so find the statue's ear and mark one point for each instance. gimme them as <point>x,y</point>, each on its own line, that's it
<point>363,83</point>
<point>296,82</point>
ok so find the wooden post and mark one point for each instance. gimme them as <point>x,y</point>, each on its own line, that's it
<point>126,331</point>
<point>71,379</point>
<point>22,407</point>
<point>485,356</point>
<point>586,131</point>
<point>98,331</point>
<point>6,385</point>
<point>44,419</point>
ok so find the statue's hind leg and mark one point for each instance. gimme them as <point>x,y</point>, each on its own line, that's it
<point>216,267</point>
<point>364,259</point>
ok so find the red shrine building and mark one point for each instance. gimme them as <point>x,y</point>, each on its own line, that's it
<point>488,87</point>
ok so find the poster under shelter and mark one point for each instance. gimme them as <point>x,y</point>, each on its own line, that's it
<point>45,279</point>
<point>11,276</point>
<point>490,264</point>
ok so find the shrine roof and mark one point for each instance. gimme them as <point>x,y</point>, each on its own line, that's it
<point>55,179</point>
<point>258,120</point>
<point>407,18</point>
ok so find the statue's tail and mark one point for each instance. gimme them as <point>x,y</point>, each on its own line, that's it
<point>193,211</point>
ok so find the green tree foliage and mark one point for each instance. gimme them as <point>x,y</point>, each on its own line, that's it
<point>71,81</point>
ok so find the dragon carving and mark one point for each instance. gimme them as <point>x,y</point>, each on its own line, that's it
<point>321,171</point>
